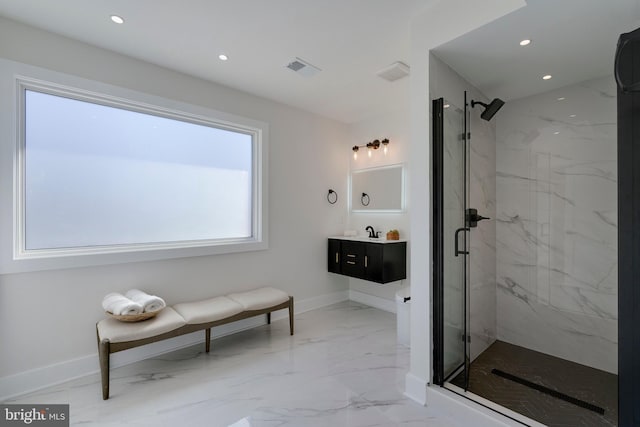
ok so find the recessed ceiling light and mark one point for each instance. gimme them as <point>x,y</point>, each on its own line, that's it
<point>562,98</point>
<point>547,77</point>
<point>223,57</point>
<point>556,133</point>
<point>117,19</point>
<point>572,116</point>
<point>525,42</point>
<point>446,105</point>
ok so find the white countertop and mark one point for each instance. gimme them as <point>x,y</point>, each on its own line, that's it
<point>367,239</point>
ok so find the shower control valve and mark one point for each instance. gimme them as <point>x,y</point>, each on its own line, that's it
<point>473,218</point>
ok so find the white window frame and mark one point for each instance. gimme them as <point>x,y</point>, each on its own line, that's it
<point>49,82</point>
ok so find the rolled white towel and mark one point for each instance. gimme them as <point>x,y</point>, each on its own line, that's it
<point>148,302</point>
<point>118,304</point>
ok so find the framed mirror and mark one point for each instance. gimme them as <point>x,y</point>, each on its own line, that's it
<point>379,189</point>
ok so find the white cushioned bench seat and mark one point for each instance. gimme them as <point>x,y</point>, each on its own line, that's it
<point>208,310</point>
<point>259,299</point>
<point>116,331</point>
<point>184,318</point>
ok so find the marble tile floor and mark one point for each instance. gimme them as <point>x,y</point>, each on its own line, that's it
<point>341,368</point>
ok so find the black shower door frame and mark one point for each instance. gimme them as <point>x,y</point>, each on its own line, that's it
<point>628,63</point>
<point>438,257</point>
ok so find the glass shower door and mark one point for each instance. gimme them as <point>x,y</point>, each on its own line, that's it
<point>450,244</point>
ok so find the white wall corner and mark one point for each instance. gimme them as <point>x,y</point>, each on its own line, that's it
<point>439,22</point>
<point>372,301</point>
<point>36,379</point>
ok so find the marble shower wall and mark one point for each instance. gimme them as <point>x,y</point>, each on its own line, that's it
<point>556,223</point>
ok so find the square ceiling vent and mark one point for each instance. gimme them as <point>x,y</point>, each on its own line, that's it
<point>303,68</point>
<point>394,72</point>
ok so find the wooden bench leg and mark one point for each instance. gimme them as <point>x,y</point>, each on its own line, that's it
<point>291,315</point>
<point>103,354</point>
<point>207,339</point>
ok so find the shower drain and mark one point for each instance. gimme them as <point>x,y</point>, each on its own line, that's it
<point>549,391</point>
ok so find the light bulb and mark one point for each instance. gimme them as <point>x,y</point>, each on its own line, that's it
<point>385,150</point>
<point>369,150</point>
<point>355,155</point>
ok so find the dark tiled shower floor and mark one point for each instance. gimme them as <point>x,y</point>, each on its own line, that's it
<point>582,382</point>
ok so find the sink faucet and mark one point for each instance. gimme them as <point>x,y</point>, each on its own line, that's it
<point>372,233</point>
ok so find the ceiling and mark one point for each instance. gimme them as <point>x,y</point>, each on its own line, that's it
<point>572,40</point>
<point>349,40</point>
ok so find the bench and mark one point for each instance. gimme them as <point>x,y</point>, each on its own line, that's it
<point>114,335</point>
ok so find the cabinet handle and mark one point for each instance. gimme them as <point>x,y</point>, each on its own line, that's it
<point>337,258</point>
<point>366,261</point>
<point>351,262</point>
<point>351,255</point>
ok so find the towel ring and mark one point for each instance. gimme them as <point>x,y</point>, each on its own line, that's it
<point>332,197</point>
<point>365,199</point>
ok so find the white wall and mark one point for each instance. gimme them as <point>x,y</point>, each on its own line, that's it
<point>395,126</point>
<point>48,317</point>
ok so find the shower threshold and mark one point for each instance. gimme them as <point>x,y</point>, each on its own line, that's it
<point>502,410</point>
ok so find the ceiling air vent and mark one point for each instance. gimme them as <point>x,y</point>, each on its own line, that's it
<point>394,72</point>
<point>303,67</point>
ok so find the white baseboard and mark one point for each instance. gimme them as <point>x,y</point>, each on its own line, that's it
<point>373,301</point>
<point>313,303</point>
<point>36,379</point>
<point>415,388</point>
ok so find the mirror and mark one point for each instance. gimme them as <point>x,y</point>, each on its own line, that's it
<point>378,189</point>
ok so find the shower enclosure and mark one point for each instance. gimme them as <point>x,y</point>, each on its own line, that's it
<point>537,332</point>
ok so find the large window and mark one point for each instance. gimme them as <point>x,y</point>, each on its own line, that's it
<point>98,174</point>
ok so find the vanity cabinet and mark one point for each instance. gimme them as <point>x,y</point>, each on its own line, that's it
<point>380,262</point>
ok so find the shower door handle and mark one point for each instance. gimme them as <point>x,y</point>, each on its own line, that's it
<point>456,247</point>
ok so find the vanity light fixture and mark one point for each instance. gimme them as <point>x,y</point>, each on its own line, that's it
<point>371,146</point>
<point>117,19</point>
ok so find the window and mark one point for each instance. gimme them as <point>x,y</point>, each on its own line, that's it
<point>98,175</point>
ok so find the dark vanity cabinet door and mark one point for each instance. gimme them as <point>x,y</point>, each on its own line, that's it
<point>334,256</point>
<point>386,262</point>
<point>376,262</point>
